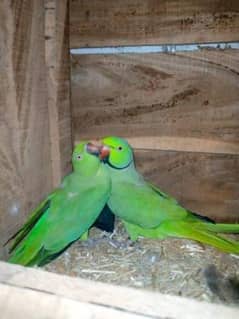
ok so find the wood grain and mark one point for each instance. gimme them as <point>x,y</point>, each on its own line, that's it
<point>106,22</point>
<point>58,79</point>
<point>186,144</point>
<point>64,295</point>
<point>26,174</point>
<point>25,162</point>
<point>187,95</point>
<point>185,102</point>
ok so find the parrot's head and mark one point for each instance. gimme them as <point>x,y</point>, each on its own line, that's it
<point>120,153</point>
<point>86,158</point>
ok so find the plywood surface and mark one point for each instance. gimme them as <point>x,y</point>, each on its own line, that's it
<point>185,102</point>
<point>65,296</point>
<point>26,141</point>
<point>104,23</point>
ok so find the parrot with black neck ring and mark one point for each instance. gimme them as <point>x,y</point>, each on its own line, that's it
<point>148,212</point>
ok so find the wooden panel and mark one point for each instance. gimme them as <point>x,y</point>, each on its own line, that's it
<point>107,22</point>
<point>58,66</point>
<point>25,151</point>
<point>66,297</point>
<point>184,102</point>
<point>193,95</point>
<point>25,129</point>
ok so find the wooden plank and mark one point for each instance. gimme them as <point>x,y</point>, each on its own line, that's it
<point>105,23</point>
<point>185,144</point>
<point>184,102</point>
<point>13,305</point>
<point>127,301</point>
<point>57,61</point>
<point>26,151</point>
<point>192,95</point>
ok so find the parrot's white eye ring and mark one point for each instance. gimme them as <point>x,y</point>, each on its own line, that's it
<point>79,157</point>
<point>120,148</point>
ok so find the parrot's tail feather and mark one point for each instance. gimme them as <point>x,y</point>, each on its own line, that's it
<point>23,255</point>
<point>28,250</point>
<point>189,231</point>
<point>222,228</point>
<point>22,233</point>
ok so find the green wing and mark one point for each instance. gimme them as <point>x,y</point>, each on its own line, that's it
<point>142,205</point>
<point>67,218</point>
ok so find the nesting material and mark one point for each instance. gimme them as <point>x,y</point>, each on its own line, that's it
<point>173,266</point>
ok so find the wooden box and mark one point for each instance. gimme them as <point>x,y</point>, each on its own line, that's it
<point>179,110</point>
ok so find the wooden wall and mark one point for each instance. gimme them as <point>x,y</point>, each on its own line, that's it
<point>124,22</point>
<point>35,136</point>
<point>180,111</point>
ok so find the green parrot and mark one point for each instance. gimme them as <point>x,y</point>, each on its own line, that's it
<point>67,213</point>
<point>147,211</point>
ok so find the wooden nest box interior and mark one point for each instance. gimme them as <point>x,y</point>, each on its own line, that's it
<point>178,108</point>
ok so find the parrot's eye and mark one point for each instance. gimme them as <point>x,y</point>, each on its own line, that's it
<point>120,148</point>
<point>79,157</point>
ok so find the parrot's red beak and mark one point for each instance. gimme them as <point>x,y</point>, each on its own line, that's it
<point>98,149</point>
<point>104,152</point>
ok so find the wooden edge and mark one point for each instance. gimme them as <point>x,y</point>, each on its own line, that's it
<point>50,50</point>
<point>25,301</point>
<point>75,294</point>
<point>183,144</point>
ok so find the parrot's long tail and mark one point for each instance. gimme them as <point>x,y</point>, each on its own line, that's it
<point>198,232</point>
<point>209,224</point>
<point>26,252</point>
<point>222,228</point>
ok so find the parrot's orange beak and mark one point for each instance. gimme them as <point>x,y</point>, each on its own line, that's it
<point>98,149</point>
<point>104,152</point>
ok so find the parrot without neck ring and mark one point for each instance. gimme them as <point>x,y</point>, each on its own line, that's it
<point>67,213</point>
<point>147,211</point>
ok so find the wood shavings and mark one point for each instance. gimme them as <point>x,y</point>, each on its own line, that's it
<point>172,266</point>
